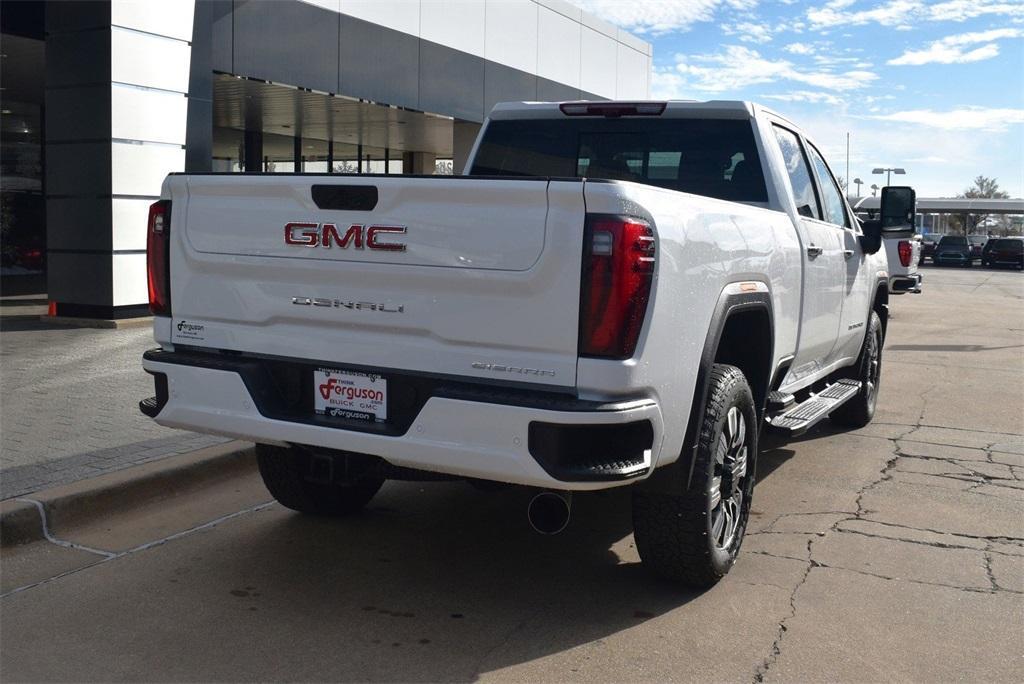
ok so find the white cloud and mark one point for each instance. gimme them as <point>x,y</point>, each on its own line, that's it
<point>749,32</point>
<point>961,10</point>
<point>658,16</point>
<point>814,96</point>
<point>902,14</point>
<point>955,49</point>
<point>799,49</point>
<point>960,119</point>
<point>835,13</point>
<point>937,164</point>
<point>738,67</point>
<point>668,84</point>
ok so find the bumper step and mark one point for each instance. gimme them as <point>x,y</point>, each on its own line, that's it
<point>149,407</point>
<point>803,416</point>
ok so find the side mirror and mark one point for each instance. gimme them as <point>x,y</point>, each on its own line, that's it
<point>871,238</point>
<point>899,206</point>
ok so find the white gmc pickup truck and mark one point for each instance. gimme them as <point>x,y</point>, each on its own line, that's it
<point>614,294</point>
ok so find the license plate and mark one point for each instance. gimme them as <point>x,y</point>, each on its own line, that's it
<point>346,394</point>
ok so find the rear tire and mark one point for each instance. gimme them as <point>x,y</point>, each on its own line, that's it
<point>286,471</point>
<point>859,411</point>
<point>693,535</point>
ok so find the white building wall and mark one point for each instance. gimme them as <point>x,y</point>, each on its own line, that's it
<point>599,62</point>
<point>558,47</point>
<point>459,24</point>
<point>150,59</point>
<point>511,34</point>
<point>553,39</point>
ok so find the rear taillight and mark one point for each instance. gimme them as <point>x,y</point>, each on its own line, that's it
<point>158,270</point>
<point>906,252</point>
<point>618,267</point>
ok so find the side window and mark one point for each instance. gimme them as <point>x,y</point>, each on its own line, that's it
<point>799,174</point>
<point>833,198</point>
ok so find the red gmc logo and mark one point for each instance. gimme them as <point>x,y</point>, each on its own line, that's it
<point>357,235</point>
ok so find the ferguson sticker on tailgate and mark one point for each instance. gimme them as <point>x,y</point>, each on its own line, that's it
<point>350,395</point>
<point>189,331</point>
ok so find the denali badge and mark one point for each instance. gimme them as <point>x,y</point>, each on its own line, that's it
<point>342,304</point>
<point>498,368</point>
<point>357,235</point>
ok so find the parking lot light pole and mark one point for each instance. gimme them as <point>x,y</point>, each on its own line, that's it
<point>858,182</point>
<point>888,173</point>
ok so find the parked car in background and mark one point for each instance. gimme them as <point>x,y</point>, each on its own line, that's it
<point>928,243</point>
<point>952,250</point>
<point>1003,252</point>
<point>977,245</point>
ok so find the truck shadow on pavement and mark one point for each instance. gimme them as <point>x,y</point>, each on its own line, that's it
<point>441,581</point>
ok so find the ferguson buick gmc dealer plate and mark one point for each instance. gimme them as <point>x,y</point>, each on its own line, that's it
<point>350,395</point>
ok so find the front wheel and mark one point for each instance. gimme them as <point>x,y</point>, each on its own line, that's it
<point>693,535</point>
<point>859,411</point>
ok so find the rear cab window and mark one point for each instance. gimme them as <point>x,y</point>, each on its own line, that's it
<point>953,240</point>
<point>712,157</point>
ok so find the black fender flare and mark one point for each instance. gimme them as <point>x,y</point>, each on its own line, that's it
<point>881,282</point>
<point>729,303</point>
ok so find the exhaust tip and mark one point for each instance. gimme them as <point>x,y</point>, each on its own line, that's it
<point>548,512</point>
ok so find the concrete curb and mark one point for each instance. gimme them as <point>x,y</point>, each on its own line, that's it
<point>80,502</point>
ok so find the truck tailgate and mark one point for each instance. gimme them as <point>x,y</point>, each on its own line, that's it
<point>451,276</point>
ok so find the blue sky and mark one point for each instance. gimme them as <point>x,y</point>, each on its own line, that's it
<point>934,87</point>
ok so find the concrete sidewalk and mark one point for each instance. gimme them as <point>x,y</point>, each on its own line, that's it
<point>69,404</point>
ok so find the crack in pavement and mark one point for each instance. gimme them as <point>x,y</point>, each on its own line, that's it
<point>863,514</point>
<point>1014,541</point>
<point>776,648</point>
<point>933,544</point>
<point>917,426</point>
<point>976,590</point>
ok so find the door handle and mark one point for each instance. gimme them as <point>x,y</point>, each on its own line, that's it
<point>814,251</point>
<point>847,253</point>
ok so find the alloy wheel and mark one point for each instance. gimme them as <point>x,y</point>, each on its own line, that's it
<point>874,367</point>
<point>729,480</point>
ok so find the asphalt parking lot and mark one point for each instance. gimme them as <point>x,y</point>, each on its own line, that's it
<point>895,552</point>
